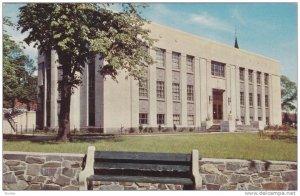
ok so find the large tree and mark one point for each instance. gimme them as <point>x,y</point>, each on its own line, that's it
<point>18,69</point>
<point>288,94</point>
<point>77,32</point>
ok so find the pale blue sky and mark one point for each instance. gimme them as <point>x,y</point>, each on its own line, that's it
<point>269,29</point>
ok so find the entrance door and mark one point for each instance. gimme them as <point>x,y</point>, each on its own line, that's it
<point>217,105</point>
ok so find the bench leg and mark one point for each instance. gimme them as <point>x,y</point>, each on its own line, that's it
<point>90,185</point>
<point>188,187</point>
<point>88,170</point>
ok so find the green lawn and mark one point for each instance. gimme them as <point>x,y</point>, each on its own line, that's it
<point>230,145</point>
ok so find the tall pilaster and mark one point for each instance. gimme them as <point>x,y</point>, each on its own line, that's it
<point>209,90</point>
<point>197,93</point>
<point>255,96</point>
<point>168,88</point>
<point>237,96</point>
<point>247,112</point>
<point>54,91</point>
<point>232,99</point>
<point>183,93</point>
<point>98,93</point>
<point>152,94</point>
<point>84,103</point>
<point>263,103</point>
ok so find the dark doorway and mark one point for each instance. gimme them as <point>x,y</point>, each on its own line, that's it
<point>217,105</point>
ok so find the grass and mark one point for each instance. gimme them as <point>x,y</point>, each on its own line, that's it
<point>231,145</point>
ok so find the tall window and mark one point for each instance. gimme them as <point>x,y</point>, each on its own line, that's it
<point>160,89</point>
<point>266,101</point>
<point>92,103</point>
<point>242,74</point>
<point>190,120</point>
<point>160,119</point>
<point>160,57</point>
<point>189,63</point>
<point>217,69</point>
<point>266,79</point>
<point>258,100</point>
<point>176,91</point>
<point>143,88</point>
<point>176,119</point>
<point>251,99</point>
<point>143,118</point>
<point>250,76</point>
<point>258,77</point>
<point>175,60</point>
<point>242,98</point>
<point>190,92</point>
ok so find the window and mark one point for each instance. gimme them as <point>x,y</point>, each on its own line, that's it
<point>243,119</point>
<point>267,121</point>
<point>160,89</point>
<point>258,78</point>
<point>190,92</point>
<point>250,99</point>
<point>160,57</point>
<point>160,119</point>
<point>250,76</point>
<point>176,119</point>
<point>190,120</point>
<point>175,60</point>
<point>258,100</point>
<point>143,88</point>
<point>242,74</point>
<point>259,118</point>
<point>251,118</point>
<point>242,98</point>
<point>143,118</point>
<point>266,79</point>
<point>189,63</point>
<point>176,91</point>
<point>266,101</point>
<point>217,69</point>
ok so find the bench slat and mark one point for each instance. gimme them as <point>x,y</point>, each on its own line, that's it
<point>141,167</point>
<point>169,180</point>
<point>143,157</point>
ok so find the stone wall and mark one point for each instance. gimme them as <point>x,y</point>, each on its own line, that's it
<point>49,171</point>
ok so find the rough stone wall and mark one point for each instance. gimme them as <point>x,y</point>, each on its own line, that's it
<point>48,171</point>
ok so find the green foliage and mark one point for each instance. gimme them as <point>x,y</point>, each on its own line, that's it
<point>288,94</point>
<point>18,81</point>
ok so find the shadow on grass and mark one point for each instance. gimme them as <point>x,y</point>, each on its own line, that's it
<point>46,139</point>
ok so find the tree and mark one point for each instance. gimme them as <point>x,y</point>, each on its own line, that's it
<point>288,94</point>
<point>17,71</point>
<point>77,32</point>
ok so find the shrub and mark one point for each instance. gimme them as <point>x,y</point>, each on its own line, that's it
<point>141,128</point>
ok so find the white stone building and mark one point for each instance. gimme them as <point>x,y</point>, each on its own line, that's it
<point>193,81</point>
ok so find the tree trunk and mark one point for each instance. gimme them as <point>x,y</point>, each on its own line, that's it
<point>64,133</point>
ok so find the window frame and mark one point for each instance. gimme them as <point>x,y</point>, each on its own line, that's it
<point>251,100</point>
<point>160,90</point>
<point>143,89</point>
<point>176,91</point>
<point>258,100</point>
<point>242,74</point>
<point>142,118</point>
<point>242,98</point>
<point>190,93</point>
<point>159,119</point>
<point>176,120</point>
<point>190,63</point>
<point>160,57</point>
<point>218,69</point>
<point>176,57</point>
<point>250,76</point>
<point>189,120</point>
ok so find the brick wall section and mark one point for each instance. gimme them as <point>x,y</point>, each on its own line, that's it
<point>48,171</point>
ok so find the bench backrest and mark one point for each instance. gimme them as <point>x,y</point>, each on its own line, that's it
<point>142,164</point>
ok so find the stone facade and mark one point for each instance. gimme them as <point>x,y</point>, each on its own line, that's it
<point>47,171</point>
<point>186,94</point>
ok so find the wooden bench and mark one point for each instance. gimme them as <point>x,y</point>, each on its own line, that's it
<point>166,168</point>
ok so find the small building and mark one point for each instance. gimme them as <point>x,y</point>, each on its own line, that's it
<point>193,81</point>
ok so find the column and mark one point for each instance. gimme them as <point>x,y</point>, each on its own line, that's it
<point>183,87</point>
<point>75,109</point>
<point>84,103</point>
<point>247,112</point>
<point>255,91</point>
<point>45,91</point>
<point>233,96</point>
<point>54,92</point>
<point>227,93</point>
<point>98,93</point>
<point>197,94</point>
<point>237,96</point>
<point>209,107</point>
<point>152,94</point>
<point>263,103</point>
<point>168,88</point>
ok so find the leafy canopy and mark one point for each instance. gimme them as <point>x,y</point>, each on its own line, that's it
<point>79,31</point>
<point>288,94</point>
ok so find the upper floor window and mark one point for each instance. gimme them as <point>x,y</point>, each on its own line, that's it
<point>176,91</point>
<point>190,92</point>
<point>175,60</point>
<point>242,98</point>
<point>251,99</point>
<point>242,74</point>
<point>217,69</point>
<point>266,79</point>
<point>143,88</point>
<point>266,101</point>
<point>160,89</point>
<point>189,63</point>
<point>258,78</point>
<point>258,100</point>
<point>160,57</point>
<point>250,76</point>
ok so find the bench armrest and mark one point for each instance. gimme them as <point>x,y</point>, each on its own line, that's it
<point>195,170</point>
<point>88,169</point>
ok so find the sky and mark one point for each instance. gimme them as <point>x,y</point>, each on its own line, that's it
<point>268,29</point>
